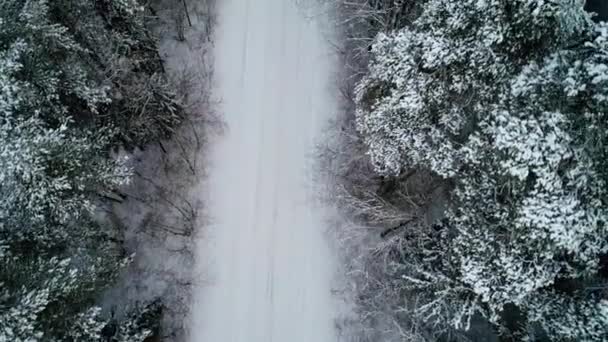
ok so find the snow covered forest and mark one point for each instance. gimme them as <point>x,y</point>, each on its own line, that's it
<point>468,165</point>
<point>472,166</point>
<point>98,137</point>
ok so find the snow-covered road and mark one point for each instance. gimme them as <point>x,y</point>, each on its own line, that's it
<point>265,260</point>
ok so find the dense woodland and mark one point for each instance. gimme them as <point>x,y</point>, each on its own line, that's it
<point>475,154</point>
<point>78,79</point>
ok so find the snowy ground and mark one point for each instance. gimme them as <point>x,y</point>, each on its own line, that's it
<point>266,262</point>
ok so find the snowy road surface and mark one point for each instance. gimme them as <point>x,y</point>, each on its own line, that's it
<point>266,263</point>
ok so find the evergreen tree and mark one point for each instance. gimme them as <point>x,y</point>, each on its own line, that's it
<point>506,99</point>
<point>55,259</point>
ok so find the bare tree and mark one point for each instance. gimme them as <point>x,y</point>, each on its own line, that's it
<point>384,217</point>
<point>161,211</point>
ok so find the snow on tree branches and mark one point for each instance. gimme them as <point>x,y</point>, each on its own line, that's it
<point>507,101</point>
<point>55,143</point>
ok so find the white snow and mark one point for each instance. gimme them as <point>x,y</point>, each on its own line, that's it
<point>266,263</point>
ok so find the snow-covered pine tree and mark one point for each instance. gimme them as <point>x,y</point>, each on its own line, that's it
<point>101,47</point>
<point>506,99</point>
<point>54,258</point>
